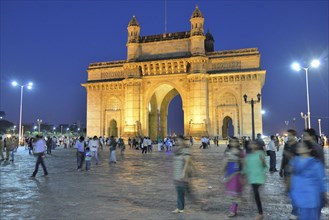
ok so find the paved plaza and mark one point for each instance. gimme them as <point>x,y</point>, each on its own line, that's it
<point>136,187</point>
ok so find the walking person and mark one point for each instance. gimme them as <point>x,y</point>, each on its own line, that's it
<point>54,142</point>
<point>272,151</point>
<point>39,151</point>
<point>1,148</point>
<point>254,167</point>
<point>11,144</point>
<point>94,146</point>
<point>49,144</point>
<point>144,145</point>
<point>308,183</point>
<point>289,152</point>
<point>80,145</point>
<point>113,146</point>
<point>232,178</point>
<point>182,171</point>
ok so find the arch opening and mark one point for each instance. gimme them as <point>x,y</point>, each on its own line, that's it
<point>158,111</point>
<point>113,128</point>
<point>228,128</point>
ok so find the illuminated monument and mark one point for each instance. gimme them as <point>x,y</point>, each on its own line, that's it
<point>131,97</point>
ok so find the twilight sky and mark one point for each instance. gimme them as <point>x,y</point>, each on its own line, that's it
<point>51,43</point>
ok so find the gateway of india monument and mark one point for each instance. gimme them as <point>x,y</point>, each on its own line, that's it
<point>131,97</point>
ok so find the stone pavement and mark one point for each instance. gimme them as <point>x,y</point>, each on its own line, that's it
<point>137,187</point>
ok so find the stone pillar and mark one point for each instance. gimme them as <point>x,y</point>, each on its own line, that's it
<point>132,106</point>
<point>198,104</point>
<point>93,111</point>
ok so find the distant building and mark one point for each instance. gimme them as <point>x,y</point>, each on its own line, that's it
<point>131,97</point>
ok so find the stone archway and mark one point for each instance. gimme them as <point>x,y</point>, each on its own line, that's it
<point>157,117</point>
<point>113,128</point>
<point>227,128</point>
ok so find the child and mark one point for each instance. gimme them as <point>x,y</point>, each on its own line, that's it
<point>88,158</point>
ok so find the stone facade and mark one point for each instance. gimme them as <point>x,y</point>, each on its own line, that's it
<point>131,97</point>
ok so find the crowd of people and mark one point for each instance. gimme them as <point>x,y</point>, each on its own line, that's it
<point>302,166</point>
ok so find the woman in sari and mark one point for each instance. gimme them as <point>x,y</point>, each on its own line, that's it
<point>232,177</point>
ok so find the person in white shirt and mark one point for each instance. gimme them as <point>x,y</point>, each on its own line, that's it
<point>271,149</point>
<point>94,145</point>
<point>39,149</point>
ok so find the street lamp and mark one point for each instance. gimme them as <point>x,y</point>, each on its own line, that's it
<point>319,120</point>
<point>29,86</point>
<point>304,116</point>
<point>252,102</point>
<point>14,128</point>
<point>35,128</point>
<point>39,121</point>
<point>297,67</point>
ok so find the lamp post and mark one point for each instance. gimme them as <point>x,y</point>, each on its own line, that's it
<point>29,86</point>
<point>39,121</point>
<point>297,67</point>
<point>62,129</point>
<point>319,120</point>
<point>304,116</point>
<point>252,102</point>
<point>294,123</point>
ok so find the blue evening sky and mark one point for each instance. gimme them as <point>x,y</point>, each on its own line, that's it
<point>52,43</point>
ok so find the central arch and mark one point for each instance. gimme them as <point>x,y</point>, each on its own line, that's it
<point>157,109</point>
<point>228,128</point>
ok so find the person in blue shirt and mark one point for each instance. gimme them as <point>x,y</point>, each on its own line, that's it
<point>308,183</point>
<point>88,157</point>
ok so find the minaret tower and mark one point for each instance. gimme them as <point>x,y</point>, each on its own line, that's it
<point>197,32</point>
<point>133,39</point>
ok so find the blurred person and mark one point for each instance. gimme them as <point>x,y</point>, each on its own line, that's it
<point>113,145</point>
<point>1,148</point>
<point>271,150</point>
<point>310,135</point>
<point>191,141</point>
<point>260,142</point>
<point>49,144</point>
<point>129,142</point>
<point>254,168</point>
<point>289,152</point>
<point>54,142</point>
<point>80,145</point>
<point>144,145</point>
<point>30,145</point>
<point>149,145</point>
<point>93,146</point>
<point>308,183</point>
<point>182,171</point>
<point>232,178</point>
<point>11,144</point>
<point>39,151</point>
<point>88,156</point>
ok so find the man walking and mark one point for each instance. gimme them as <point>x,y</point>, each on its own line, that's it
<point>39,151</point>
